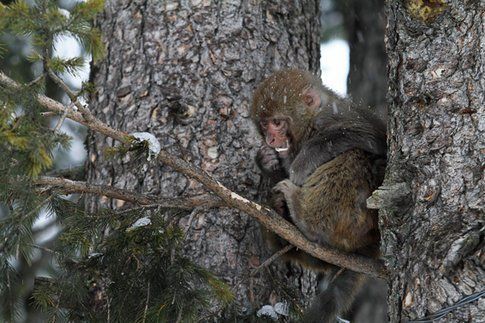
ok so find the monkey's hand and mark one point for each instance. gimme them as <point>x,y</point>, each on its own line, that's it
<point>269,163</point>
<point>287,188</point>
<point>292,196</point>
<point>288,191</point>
<point>278,203</point>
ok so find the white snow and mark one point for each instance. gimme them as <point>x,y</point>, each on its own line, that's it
<point>282,308</point>
<point>267,310</point>
<point>64,12</point>
<point>94,255</point>
<point>153,143</point>
<point>142,222</point>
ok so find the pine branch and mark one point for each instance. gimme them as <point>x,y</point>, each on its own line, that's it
<point>267,217</point>
<point>68,186</point>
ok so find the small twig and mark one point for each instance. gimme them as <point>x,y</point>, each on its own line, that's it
<point>390,196</point>
<point>338,273</point>
<point>62,118</point>
<point>189,223</point>
<point>146,303</point>
<point>48,114</point>
<point>59,108</point>
<point>134,209</point>
<point>42,248</point>
<point>108,318</point>
<point>36,80</point>
<point>179,316</point>
<point>275,256</point>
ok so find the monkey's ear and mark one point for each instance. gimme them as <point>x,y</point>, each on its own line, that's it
<point>311,97</point>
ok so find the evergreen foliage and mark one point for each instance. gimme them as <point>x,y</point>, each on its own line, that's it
<point>100,266</point>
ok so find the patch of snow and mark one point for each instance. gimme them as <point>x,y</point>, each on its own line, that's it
<point>267,310</point>
<point>240,198</point>
<point>94,255</point>
<point>282,308</point>
<point>142,222</point>
<point>153,143</point>
<point>64,12</point>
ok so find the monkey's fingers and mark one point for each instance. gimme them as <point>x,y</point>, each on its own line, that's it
<point>286,187</point>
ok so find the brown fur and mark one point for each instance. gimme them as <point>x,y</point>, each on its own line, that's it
<point>336,159</point>
<point>333,201</point>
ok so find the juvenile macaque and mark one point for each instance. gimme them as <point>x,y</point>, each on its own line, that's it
<point>326,157</point>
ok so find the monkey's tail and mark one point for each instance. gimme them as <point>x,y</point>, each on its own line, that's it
<point>336,299</point>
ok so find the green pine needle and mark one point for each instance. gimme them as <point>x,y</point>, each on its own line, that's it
<point>70,65</point>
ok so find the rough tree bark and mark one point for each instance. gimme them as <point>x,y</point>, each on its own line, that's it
<point>185,71</point>
<point>434,248</point>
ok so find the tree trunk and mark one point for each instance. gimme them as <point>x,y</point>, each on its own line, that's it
<point>186,73</point>
<point>434,246</point>
<point>364,25</point>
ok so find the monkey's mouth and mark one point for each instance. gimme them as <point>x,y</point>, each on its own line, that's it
<point>283,149</point>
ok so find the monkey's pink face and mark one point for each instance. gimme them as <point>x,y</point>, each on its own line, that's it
<point>275,131</point>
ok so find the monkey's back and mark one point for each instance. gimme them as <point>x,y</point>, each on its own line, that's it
<point>333,201</point>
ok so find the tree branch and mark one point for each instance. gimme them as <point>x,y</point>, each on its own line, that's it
<point>68,186</point>
<point>270,260</point>
<point>73,96</point>
<point>264,215</point>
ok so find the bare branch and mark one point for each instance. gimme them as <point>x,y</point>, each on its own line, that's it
<point>270,260</point>
<point>61,119</point>
<point>264,215</point>
<point>68,186</point>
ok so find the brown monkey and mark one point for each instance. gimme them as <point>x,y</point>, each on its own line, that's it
<point>335,152</point>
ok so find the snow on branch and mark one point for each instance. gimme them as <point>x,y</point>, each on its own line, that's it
<point>153,143</point>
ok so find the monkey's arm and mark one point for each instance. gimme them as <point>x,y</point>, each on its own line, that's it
<point>327,145</point>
